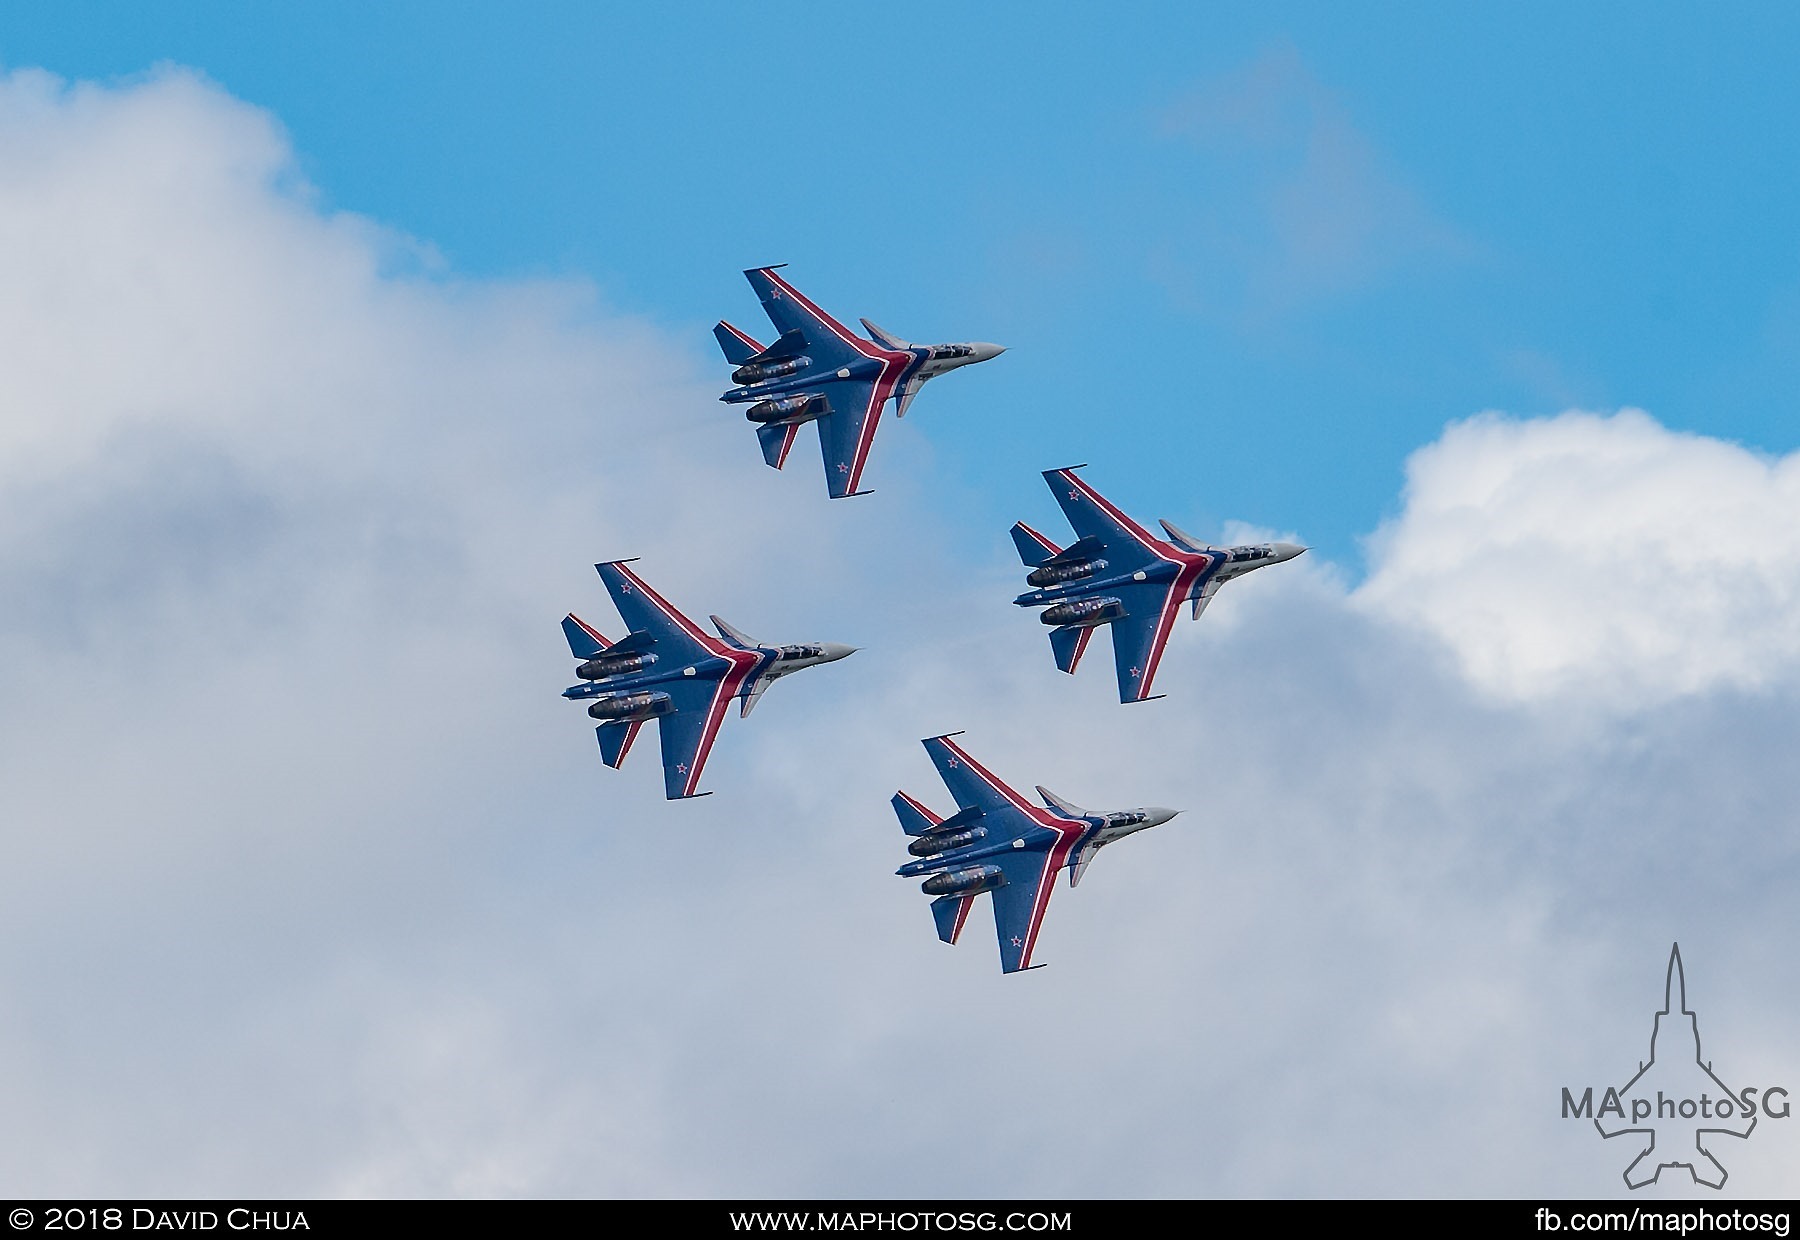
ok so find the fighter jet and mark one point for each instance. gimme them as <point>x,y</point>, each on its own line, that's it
<point>998,841</point>
<point>667,669</point>
<point>1117,573</point>
<point>820,371</point>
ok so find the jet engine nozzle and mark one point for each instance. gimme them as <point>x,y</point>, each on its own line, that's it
<point>632,706</point>
<point>1055,574</point>
<point>620,665</point>
<point>789,409</point>
<point>965,882</point>
<point>1083,613</point>
<point>935,842</point>
<point>757,372</point>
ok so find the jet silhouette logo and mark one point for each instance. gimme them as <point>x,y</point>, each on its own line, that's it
<point>1676,1108</point>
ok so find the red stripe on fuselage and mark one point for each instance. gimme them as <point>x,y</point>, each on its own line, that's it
<point>1191,569</point>
<point>1068,835</point>
<point>742,661</point>
<point>893,366</point>
<point>1152,544</point>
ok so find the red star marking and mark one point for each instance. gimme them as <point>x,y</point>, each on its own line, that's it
<point>953,764</point>
<point>1017,941</point>
<point>843,468</point>
<point>681,768</point>
<point>1074,494</point>
<point>1136,672</point>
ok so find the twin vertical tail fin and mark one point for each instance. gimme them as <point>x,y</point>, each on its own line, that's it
<point>950,912</point>
<point>915,819</point>
<point>736,345</point>
<point>776,441</point>
<point>615,740</point>
<point>1068,644</point>
<point>1033,547</point>
<point>584,640</point>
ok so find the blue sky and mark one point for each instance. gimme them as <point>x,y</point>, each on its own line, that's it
<point>337,343</point>
<point>1246,257</point>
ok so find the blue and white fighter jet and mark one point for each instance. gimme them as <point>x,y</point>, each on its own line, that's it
<point>820,371</point>
<point>1116,573</point>
<point>998,841</point>
<point>666,668</point>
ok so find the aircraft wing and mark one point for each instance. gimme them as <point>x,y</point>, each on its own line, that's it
<point>1004,812</point>
<point>1141,633</point>
<point>848,432</point>
<point>1019,905</point>
<point>676,638</point>
<point>828,342</point>
<point>688,734</point>
<point>1092,515</point>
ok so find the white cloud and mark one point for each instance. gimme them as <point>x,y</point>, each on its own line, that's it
<point>312,885</point>
<point>1604,559</point>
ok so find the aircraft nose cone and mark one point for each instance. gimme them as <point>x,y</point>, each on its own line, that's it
<point>836,650</point>
<point>1156,815</point>
<point>1287,551</point>
<point>987,352</point>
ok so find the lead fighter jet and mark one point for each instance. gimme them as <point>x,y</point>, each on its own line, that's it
<point>998,841</point>
<point>1117,573</point>
<point>666,668</point>
<point>820,371</point>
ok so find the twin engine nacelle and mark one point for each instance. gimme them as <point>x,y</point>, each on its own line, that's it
<point>757,372</point>
<point>1083,613</point>
<point>965,882</point>
<point>1056,574</point>
<point>632,706</point>
<point>935,842</point>
<point>788,409</point>
<point>618,665</point>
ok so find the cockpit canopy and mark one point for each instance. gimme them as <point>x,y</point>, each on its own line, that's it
<point>945,352</point>
<point>1240,555</point>
<point>805,651</point>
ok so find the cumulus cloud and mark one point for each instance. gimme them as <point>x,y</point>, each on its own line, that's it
<point>1600,558</point>
<point>314,886</point>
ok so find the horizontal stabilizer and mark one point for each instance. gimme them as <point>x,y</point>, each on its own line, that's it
<point>777,440</point>
<point>962,818</point>
<point>950,912</point>
<point>1086,548</point>
<point>584,641</point>
<point>1033,547</point>
<point>915,819</point>
<point>615,740</point>
<point>635,642</point>
<point>1068,644</point>
<point>790,344</point>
